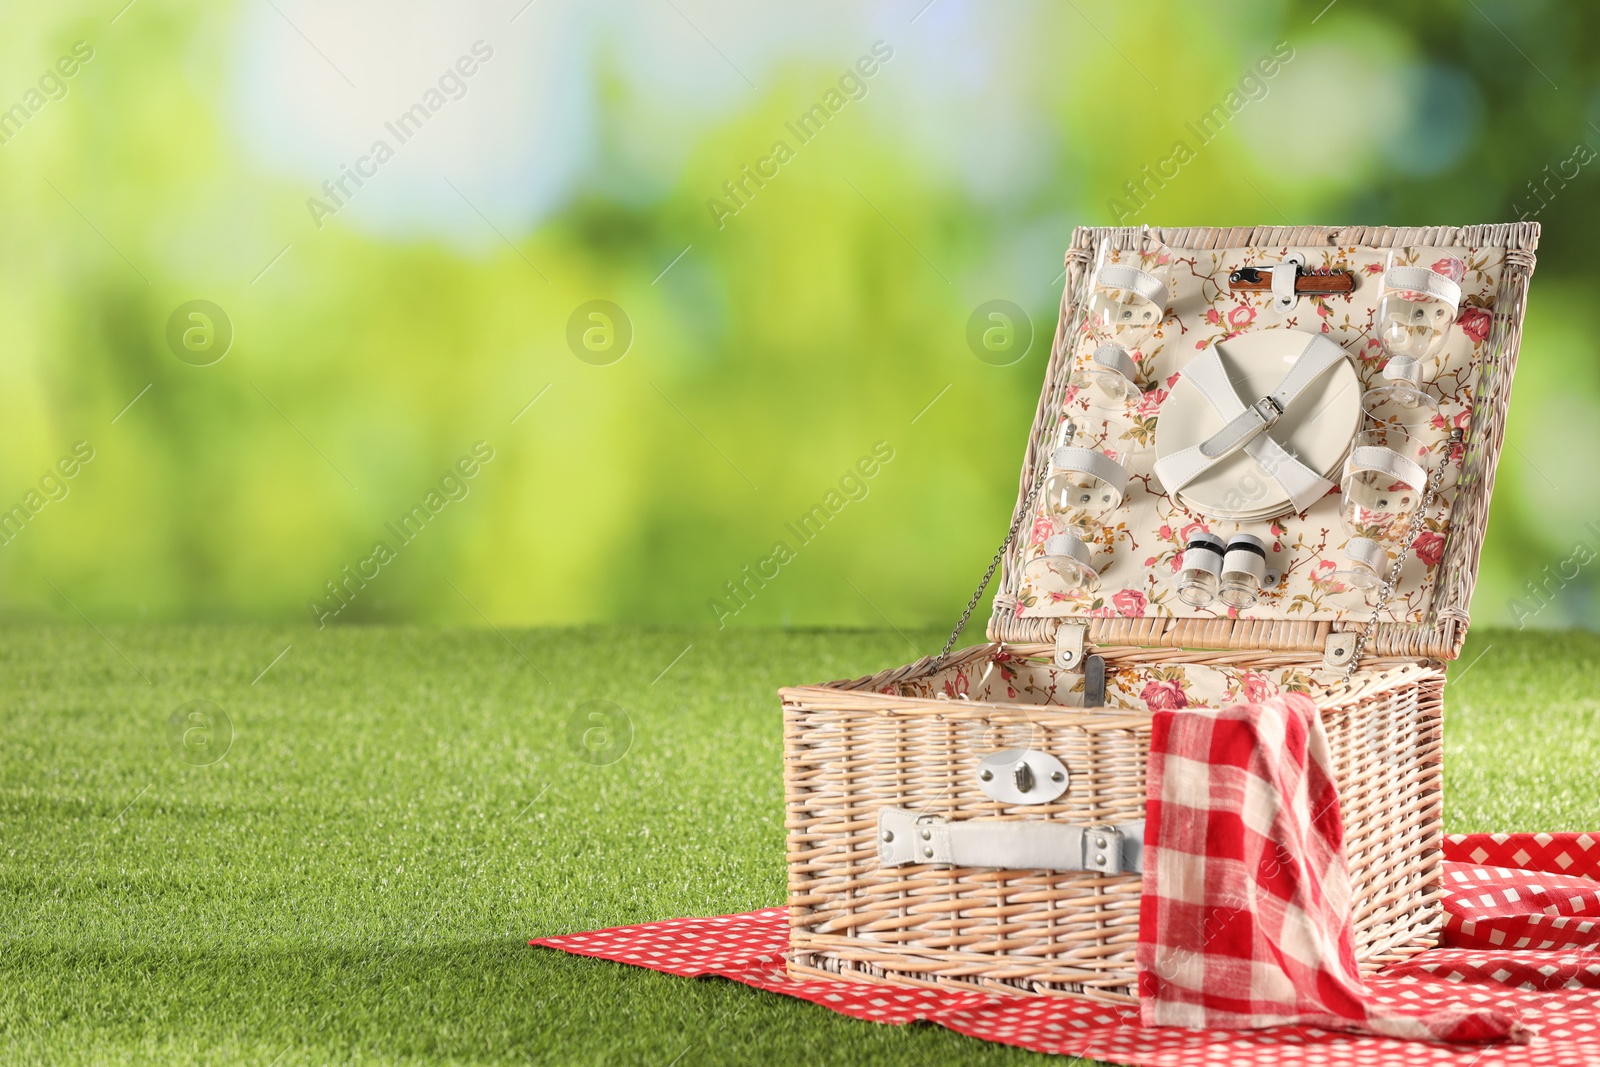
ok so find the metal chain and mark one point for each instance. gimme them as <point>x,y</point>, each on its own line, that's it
<point>1386,592</point>
<point>1005,546</point>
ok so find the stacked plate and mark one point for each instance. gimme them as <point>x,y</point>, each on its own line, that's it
<point>1316,428</point>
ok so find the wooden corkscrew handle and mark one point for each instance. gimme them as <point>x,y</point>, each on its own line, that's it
<point>1322,281</point>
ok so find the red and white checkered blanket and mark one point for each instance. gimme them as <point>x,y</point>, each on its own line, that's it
<point>1520,933</point>
<point>1245,917</point>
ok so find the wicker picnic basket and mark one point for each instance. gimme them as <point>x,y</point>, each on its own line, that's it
<point>922,852</point>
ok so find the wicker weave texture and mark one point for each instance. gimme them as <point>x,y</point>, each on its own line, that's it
<point>851,749</point>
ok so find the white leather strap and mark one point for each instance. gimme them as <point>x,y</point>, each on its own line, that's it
<point>1243,561</point>
<point>1320,354</point>
<point>1247,426</point>
<point>1008,844</point>
<point>1406,369</point>
<point>1207,374</point>
<point>1304,485</point>
<point>1388,462</point>
<point>1283,276</point>
<point>1241,430</point>
<point>1115,357</point>
<point>1204,554</point>
<point>1096,465</point>
<point>1366,550</point>
<point>1423,280</point>
<point>1116,276</point>
<point>1071,546</point>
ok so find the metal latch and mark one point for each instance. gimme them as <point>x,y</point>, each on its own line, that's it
<point>1022,776</point>
<point>1094,682</point>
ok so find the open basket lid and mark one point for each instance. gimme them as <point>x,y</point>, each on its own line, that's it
<point>1208,312</point>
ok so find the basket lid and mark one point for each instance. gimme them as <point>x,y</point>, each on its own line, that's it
<point>1224,373</point>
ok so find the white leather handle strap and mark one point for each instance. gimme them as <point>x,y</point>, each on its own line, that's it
<point>1116,276</point>
<point>1423,280</point>
<point>1115,357</point>
<point>1095,464</point>
<point>1388,462</point>
<point>906,837</point>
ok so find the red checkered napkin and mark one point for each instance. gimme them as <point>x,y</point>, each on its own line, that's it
<point>1245,917</point>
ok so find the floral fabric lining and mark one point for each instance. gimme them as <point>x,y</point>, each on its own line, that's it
<point>1007,679</point>
<point>1148,533</point>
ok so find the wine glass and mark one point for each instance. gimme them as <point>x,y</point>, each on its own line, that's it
<point>1381,489</point>
<point>1085,482</point>
<point>1402,401</point>
<point>1130,291</point>
<point>1088,474</point>
<point>1417,305</point>
<point>1108,380</point>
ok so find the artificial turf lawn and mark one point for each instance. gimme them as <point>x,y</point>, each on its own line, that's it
<point>401,809</point>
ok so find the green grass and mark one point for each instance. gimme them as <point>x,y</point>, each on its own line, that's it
<point>400,809</point>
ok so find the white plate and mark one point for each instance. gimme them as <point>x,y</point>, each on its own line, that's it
<point>1317,427</point>
<point>1249,515</point>
<point>1230,516</point>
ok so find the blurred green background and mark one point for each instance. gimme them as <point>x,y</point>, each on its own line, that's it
<point>780,329</point>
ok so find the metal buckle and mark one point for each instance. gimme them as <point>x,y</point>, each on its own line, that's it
<point>1269,410</point>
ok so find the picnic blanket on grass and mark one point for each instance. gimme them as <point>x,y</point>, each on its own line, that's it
<point>1518,937</point>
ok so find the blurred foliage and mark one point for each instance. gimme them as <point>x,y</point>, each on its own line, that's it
<point>767,359</point>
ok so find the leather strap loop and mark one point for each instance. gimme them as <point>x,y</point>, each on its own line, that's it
<point>1366,551</point>
<point>1204,553</point>
<point>1096,465</point>
<point>1116,276</point>
<point>1387,461</point>
<point>1283,276</point>
<point>1423,280</point>
<point>1069,545</point>
<point>1115,357</point>
<point>1406,369</point>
